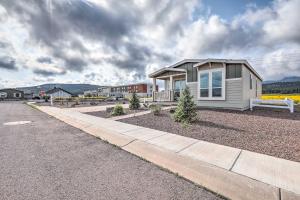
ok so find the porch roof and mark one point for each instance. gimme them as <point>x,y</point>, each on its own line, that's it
<point>166,69</point>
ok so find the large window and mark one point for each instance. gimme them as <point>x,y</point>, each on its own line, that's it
<point>233,71</point>
<point>212,84</point>
<point>217,84</point>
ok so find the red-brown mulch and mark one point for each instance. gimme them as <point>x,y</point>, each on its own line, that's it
<point>267,131</point>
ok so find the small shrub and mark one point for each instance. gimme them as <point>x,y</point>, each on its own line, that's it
<point>186,108</point>
<point>118,110</point>
<point>155,109</point>
<point>134,102</point>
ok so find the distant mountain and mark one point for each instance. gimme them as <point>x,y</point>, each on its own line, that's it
<point>72,88</point>
<point>285,79</point>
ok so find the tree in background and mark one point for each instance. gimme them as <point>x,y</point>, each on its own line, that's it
<point>134,102</point>
<point>186,108</point>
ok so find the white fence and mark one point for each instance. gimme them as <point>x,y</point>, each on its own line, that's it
<point>285,104</point>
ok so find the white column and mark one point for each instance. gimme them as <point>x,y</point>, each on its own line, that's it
<point>171,83</point>
<point>171,89</point>
<point>154,85</point>
<point>153,89</point>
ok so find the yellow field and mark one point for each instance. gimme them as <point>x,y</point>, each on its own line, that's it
<point>295,97</point>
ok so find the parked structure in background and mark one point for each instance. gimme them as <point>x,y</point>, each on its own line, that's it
<point>11,94</point>
<point>141,89</point>
<point>58,93</point>
<point>221,83</point>
<point>91,93</point>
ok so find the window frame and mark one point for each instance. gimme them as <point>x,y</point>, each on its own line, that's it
<point>210,88</point>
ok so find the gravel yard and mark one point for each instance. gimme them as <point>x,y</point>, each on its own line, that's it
<point>105,114</point>
<point>267,131</point>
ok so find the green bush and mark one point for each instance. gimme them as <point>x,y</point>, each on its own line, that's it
<point>134,102</point>
<point>186,108</point>
<point>155,109</point>
<point>118,110</point>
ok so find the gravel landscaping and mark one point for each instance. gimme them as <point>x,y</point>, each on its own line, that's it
<point>105,114</point>
<point>268,131</point>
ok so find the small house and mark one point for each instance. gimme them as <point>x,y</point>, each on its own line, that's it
<point>11,94</point>
<point>58,93</point>
<point>217,83</point>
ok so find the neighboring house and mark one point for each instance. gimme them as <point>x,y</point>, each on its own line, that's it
<point>142,90</point>
<point>58,93</point>
<point>219,83</point>
<point>90,93</point>
<point>11,94</point>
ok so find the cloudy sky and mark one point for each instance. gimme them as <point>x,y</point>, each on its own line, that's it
<point>114,42</point>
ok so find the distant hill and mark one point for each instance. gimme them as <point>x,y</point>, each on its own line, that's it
<point>72,88</point>
<point>281,87</point>
<point>285,79</point>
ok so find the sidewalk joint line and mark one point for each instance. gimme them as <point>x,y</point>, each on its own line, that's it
<point>235,160</point>
<point>186,147</point>
<point>129,143</point>
<point>131,130</point>
<point>156,137</point>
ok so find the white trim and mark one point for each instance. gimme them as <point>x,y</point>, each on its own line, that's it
<point>165,70</point>
<point>168,76</point>
<point>210,71</point>
<point>233,79</point>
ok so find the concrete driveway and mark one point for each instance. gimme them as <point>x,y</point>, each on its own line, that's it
<point>48,159</point>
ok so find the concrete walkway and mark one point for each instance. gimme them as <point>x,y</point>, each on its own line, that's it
<point>231,172</point>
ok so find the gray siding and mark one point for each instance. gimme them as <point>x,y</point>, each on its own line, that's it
<point>233,99</point>
<point>191,71</point>
<point>248,93</point>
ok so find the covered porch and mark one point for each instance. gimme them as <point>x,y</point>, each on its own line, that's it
<point>174,82</point>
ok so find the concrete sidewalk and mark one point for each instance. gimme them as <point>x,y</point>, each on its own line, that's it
<point>231,172</point>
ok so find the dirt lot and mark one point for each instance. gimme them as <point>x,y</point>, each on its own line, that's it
<point>267,131</point>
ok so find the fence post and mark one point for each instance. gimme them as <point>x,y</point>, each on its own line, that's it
<point>292,106</point>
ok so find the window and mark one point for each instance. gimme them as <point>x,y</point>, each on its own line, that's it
<point>179,85</point>
<point>212,84</point>
<point>3,95</point>
<point>204,84</point>
<point>217,84</point>
<point>250,81</point>
<point>233,71</point>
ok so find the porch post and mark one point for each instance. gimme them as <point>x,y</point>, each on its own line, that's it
<point>171,88</point>
<point>153,88</point>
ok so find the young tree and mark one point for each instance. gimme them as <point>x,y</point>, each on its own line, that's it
<point>134,102</point>
<point>186,108</point>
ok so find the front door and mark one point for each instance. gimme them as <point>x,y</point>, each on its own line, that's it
<point>179,85</point>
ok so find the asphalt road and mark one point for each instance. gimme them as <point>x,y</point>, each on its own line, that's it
<point>48,159</point>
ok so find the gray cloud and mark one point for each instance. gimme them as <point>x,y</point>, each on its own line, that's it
<point>47,72</point>
<point>44,60</point>
<point>69,20</point>
<point>8,63</point>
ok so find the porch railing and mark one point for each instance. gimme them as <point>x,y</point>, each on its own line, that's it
<point>166,95</point>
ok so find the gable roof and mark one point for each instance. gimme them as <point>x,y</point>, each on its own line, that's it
<point>56,90</point>
<point>9,89</point>
<point>236,61</point>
